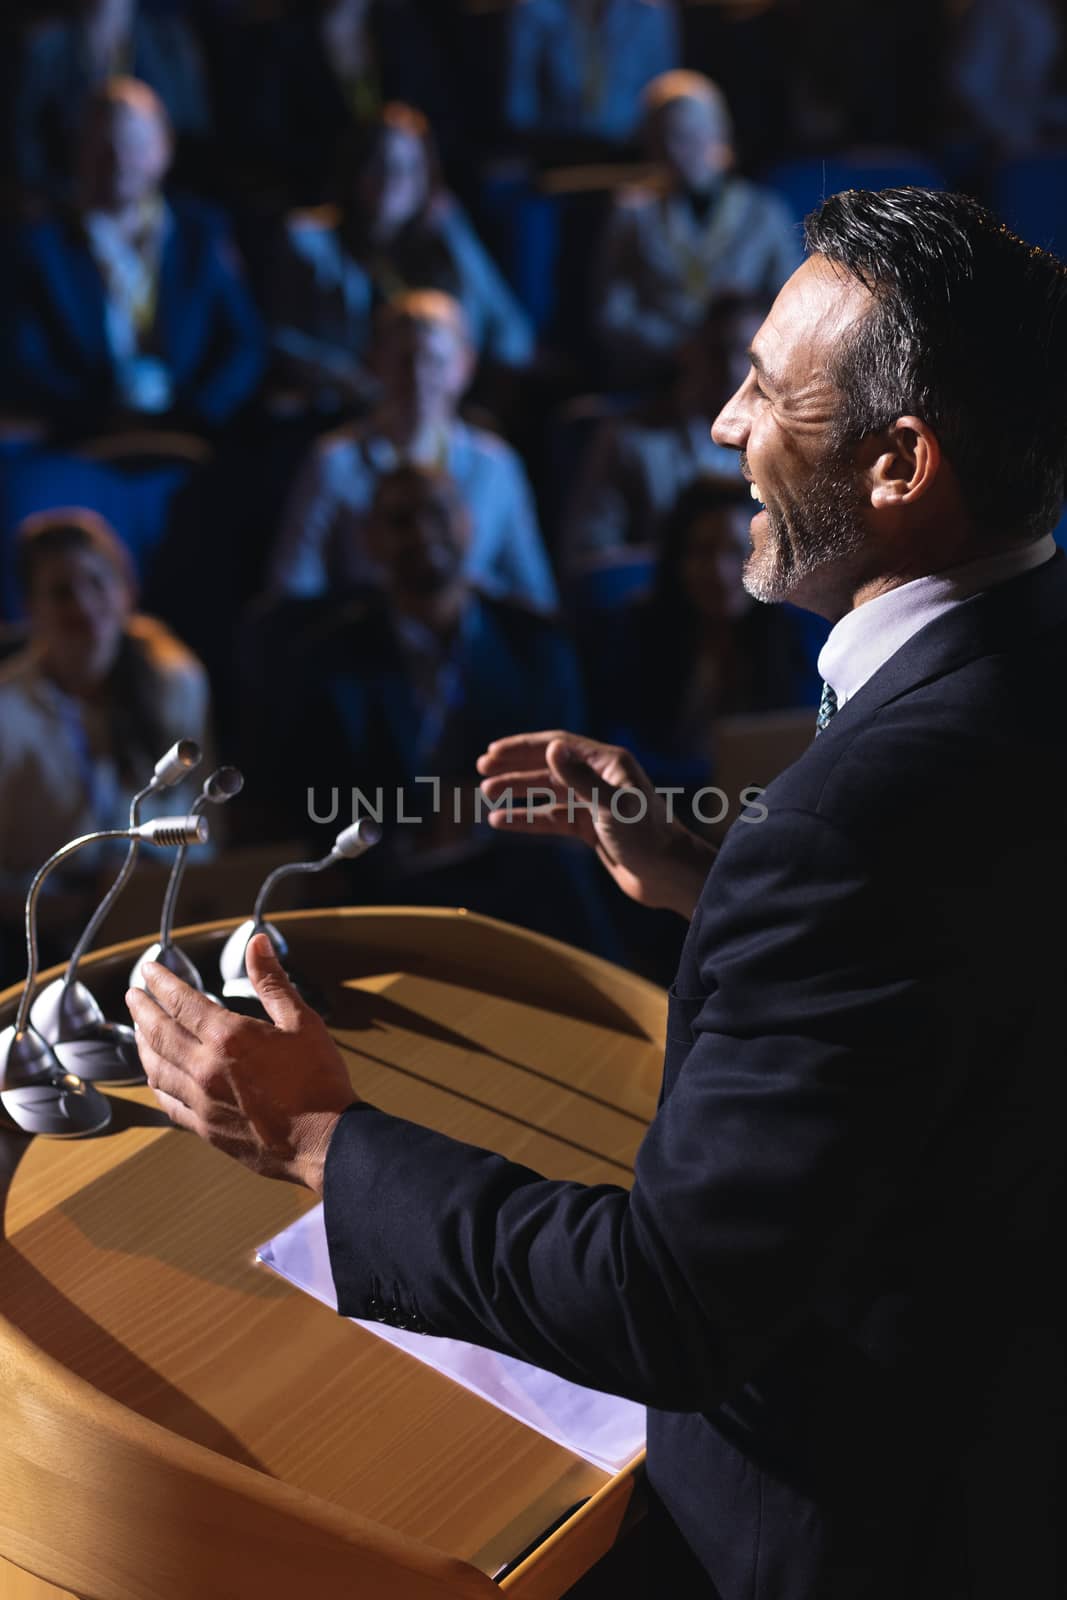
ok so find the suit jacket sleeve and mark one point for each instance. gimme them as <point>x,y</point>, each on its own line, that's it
<point>808,1082</point>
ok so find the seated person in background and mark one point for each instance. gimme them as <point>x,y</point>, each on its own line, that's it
<point>394,228</point>
<point>408,684</point>
<point>424,360</point>
<point>696,230</point>
<point>1005,75</point>
<point>303,79</point>
<point>87,708</point>
<point>132,308</point>
<point>638,465</point>
<point>64,60</point>
<point>662,669</point>
<point>575,69</point>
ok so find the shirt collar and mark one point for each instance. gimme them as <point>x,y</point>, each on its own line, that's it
<point>865,638</point>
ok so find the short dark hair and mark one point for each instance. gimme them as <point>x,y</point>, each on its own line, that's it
<point>969,332</point>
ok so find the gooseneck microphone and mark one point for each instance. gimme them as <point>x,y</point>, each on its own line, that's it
<point>223,784</point>
<point>41,1090</point>
<point>66,1011</point>
<point>353,842</point>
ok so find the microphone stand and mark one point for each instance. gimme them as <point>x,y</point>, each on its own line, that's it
<point>221,786</point>
<point>349,845</point>
<point>66,1011</point>
<point>39,1093</point>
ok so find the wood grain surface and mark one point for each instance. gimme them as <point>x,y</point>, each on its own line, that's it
<point>127,1261</point>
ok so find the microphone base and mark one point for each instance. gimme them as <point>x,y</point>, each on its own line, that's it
<point>40,1098</point>
<point>174,959</point>
<point>106,1053</point>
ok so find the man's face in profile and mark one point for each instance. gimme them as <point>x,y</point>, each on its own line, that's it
<point>783,419</point>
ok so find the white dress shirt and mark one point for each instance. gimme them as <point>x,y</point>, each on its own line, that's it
<point>865,639</point>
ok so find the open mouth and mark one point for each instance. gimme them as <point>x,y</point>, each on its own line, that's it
<point>753,490</point>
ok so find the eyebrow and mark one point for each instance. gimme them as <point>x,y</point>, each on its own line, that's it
<point>758,366</point>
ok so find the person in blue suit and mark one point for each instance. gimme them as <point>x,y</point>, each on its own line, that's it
<point>835,1281</point>
<point>575,69</point>
<point>133,307</point>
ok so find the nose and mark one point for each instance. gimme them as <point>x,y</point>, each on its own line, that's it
<point>731,427</point>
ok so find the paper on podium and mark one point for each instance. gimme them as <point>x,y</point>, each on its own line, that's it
<point>599,1427</point>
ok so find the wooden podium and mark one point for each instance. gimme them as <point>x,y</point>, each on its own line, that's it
<point>178,1422</point>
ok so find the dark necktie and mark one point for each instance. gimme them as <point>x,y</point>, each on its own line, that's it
<point>827,708</point>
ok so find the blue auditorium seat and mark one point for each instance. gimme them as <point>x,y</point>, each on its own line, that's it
<point>805,182</point>
<point>1030,195</point>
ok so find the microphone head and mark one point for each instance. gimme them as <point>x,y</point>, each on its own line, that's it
<point>223,784</point>
<point>177,764</point>
<point>354,840</point>
<point>169,831</point>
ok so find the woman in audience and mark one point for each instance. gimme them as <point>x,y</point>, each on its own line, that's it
<point>664,668</point>
<point>87,707</point>
<point>133,306</point>
<point>691,233</point>
<point>299,82</point>
<point>394,228</point>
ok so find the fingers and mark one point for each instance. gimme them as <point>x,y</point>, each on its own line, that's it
<point>186,1005</point>
<point>518,752</point>
<point>178,1112</point>
<point>177,1087</point>
<point>278,997</point>
<point>157,1029</point>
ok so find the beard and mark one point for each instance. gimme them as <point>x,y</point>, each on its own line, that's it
<point>820,528</point>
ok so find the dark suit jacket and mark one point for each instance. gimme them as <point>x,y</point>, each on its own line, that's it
<point>207,327</point>
<point>335,685</point>
<point>834,1280</point>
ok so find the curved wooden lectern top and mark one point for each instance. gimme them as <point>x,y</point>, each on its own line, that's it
<point>178,1422</point>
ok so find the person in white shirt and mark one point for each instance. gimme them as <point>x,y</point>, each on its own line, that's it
<point>637,465</point>
<point>424,358</point>
<point>692,231</point>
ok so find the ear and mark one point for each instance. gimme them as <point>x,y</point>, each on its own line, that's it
<point>906,466</point>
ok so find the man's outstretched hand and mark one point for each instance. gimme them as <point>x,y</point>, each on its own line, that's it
<point>270,1096</point>
<point>655,861</point>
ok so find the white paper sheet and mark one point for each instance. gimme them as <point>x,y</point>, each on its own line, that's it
<point>599,1427</point>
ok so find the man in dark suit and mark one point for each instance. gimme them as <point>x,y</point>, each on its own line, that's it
<point>133,305</point>
<point>833,1280</point>
<point>396,693</point>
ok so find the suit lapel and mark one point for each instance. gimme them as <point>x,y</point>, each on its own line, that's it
<point>86,302</point>
<point>167,331</point>
<point>992,621</point>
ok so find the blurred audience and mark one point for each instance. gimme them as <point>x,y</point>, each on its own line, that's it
<point>397,693</point>
<point>663,668</point>
<point>132,306</point>
<point>298,83</point>
<point>1006,75</point>
<point>89,703</point>
<point>394,227</point>
<point>63,60</point>
<point>575,69</point>
<point>693,231</point>
<point>424,359</point>
<point>638,464</point>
